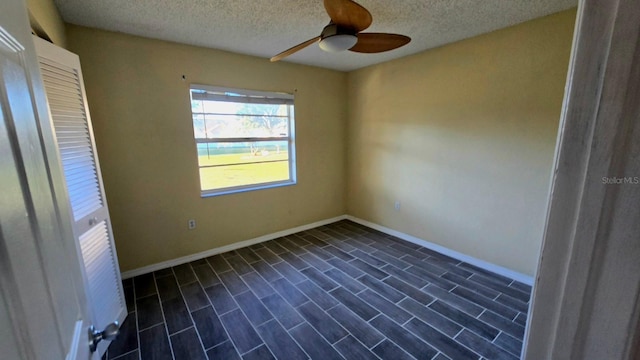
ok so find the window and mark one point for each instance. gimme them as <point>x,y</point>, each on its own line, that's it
<point>245,139</point>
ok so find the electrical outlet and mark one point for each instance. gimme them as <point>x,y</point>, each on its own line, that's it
<point>192,224</point>
<point>397,205</point>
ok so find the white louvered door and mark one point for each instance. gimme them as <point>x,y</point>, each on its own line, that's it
<point>66,98</point>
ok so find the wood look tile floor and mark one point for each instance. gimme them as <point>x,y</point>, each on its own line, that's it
<point>341,291</point>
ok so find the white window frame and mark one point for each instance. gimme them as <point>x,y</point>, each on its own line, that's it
<point>247,96</point>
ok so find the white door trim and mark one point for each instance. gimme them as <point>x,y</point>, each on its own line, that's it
<point>76,341</point>
<point>584,303</point>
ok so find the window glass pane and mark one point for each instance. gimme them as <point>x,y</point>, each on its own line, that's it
<point>220,107</point>
<point>234,120</point>
<point>219,177</point>
<point>216,125</point>
<point>203,150</point>
<point>243,126</point>
<point>198,126</point>
<point>196,106</point>
<point>221,153</point>
<point>233,108</point>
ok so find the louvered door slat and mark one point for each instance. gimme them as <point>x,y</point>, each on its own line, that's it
<point>59,78</point>
<point>98,260</point>
<point>70,138</point>
<point>74,162</point>
<point>72,150</point>
<point>60,112</point>
<point>71,119</point>
<point>64,126</point>
<point>76,153</point>
<point>65,123</point>
<point>65,96</point>
<point>66,137</point>
<point>61,90</point>
<point>67,104</point>
<point>66,101</point>
<point>80,163</point>
<point>74,147</point>
<point>54,66</point>
<point>78,171</point>
<point>68,131</point>
<point>84,206</point>
<point>81,179</point>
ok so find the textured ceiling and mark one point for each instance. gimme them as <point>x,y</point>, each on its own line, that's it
<point>264,28</point>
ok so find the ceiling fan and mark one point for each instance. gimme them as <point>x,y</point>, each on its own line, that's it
<point>348,19</point>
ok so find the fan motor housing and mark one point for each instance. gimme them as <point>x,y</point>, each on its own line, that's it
<point>334,29</point>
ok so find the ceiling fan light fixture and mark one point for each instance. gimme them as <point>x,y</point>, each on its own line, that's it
<point>344,32</point>
<point>338,42</point>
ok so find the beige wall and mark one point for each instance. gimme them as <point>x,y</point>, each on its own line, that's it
<point>463,136</point>
<point>45,19</point>
<point>142,121</point>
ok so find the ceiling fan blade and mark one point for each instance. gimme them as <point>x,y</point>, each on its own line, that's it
<point>295,49</point>
<point>348,14</point>
<point>379,42</point>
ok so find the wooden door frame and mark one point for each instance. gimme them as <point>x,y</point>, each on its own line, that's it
<point>585,298</point>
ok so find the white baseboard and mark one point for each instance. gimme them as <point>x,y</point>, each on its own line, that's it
<point>526,279</point>
<point>201,255</point>
<point>441,249</point>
